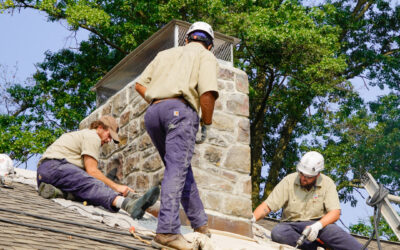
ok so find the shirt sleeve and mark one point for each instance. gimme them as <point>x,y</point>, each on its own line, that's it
<point>332,198</point>
<point>208,74</point>
<point>279,196</point>
<point>146,76</point>
<point>91,146</point>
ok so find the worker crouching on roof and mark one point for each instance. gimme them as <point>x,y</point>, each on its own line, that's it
<point>69,169</point>
<point>308,199</point>
<point>177,83</point>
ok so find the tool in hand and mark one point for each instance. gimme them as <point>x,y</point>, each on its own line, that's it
<point>303,236</point>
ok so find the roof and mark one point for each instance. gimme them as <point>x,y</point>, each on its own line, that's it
<point>19,229</point>
<point>269,223</point>
<point>24,198</point>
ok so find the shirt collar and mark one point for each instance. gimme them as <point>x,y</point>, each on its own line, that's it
<point>195,44</point>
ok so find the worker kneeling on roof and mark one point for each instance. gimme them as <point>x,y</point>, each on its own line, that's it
<point>308,199</point>
<point>69,169</point>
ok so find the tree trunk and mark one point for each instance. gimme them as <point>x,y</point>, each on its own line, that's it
<point>256,162</point>
<point>277,159</point>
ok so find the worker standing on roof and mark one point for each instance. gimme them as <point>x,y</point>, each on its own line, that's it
<point>69,169</point>
<point>308,199</point>
<point>177,83</point>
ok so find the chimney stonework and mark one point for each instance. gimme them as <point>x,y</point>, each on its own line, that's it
<point>221,165</point>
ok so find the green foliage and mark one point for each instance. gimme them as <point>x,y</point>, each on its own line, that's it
<point>22,140</point>
<point>57,101</point>
<point>291,57</point>
<point>364,140</point>
<point>366,229</point>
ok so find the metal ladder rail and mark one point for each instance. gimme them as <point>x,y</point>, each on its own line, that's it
<point>388,212</point>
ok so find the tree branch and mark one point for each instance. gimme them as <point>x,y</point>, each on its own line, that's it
<point>263,104</point>
<point>104,38</point>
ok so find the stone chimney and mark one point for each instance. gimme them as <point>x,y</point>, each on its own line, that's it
<point>221,165</point>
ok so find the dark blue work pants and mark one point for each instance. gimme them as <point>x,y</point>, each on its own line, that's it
<point>72,179</point>
<point>332,236</point>
<point>172,126</point>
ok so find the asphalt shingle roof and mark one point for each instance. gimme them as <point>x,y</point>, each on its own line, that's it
<point>24,198</point>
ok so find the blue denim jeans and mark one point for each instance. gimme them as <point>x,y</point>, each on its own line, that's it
<point>72,179</point>
<point>172,126</point>
<point>332,236</point>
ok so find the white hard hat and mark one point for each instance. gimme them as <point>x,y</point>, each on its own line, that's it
<point>6,165</point>
<point>201,26</point>
<point>311,163</point>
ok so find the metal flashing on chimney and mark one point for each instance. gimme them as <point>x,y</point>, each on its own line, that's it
<point>171,35</point>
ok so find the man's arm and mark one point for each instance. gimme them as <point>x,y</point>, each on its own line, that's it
<point>141,90</point>
<point>261,211</point>
<point>207,103</point>
<point>330,218</point>
<point>91,168</point>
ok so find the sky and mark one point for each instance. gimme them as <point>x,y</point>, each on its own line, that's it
<point>27,35</point>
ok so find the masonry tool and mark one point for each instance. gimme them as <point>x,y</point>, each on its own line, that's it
<point>303,236</point>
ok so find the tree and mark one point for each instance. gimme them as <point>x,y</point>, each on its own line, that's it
<point>358,136</point>
<point>366,229</point>
<point>368,40</point>
<point>290,56</point>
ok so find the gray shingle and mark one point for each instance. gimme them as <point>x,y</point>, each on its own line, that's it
<point>25,198</point>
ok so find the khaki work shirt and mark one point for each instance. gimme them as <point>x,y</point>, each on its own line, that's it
<point>300,204</point>
<point>72,146</point>
<point>187,72</point>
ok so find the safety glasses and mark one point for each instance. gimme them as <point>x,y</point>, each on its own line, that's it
<point>306,176</point>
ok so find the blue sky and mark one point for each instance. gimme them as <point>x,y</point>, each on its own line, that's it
<point>27,35</point>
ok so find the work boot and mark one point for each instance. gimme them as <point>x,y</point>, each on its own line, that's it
<point>49,191</point>
<point>137,207</point>
<point>203,230</point>
<point>171,242</point>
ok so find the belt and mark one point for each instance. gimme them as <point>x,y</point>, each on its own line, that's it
<point>155,101</point>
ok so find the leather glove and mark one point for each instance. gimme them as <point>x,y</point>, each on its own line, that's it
<point>203,132</point>
<point>315,228</point>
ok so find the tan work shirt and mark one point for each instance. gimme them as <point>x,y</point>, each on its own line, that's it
<point>300,204</point>
<point>187,72</point>
<point>72,146</point>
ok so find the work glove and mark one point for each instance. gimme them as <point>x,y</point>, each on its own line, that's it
<point>203,131</point>
<point>312,236</point>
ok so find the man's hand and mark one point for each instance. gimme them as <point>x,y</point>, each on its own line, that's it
<point>315,228</point>
<point>123,189</point>
<point>204,129</point>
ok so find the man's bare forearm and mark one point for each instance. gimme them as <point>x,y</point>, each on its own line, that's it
<point>261,211</point>
<point>207,103</point>
<point>330,218</point>
<point>92,170</point>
